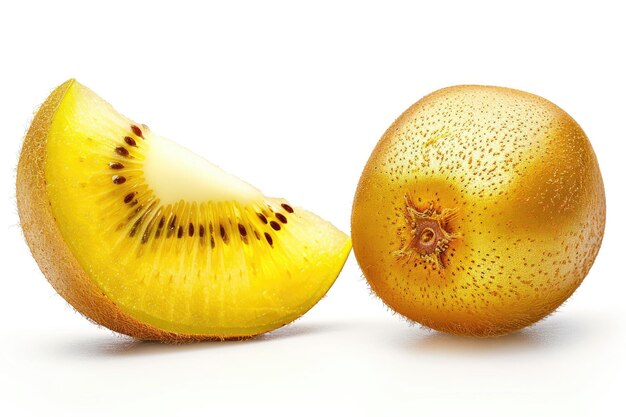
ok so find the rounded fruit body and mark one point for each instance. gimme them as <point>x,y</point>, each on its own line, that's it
<point>480,211</point>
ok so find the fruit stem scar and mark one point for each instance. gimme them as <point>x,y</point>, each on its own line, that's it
<point>426,233</point>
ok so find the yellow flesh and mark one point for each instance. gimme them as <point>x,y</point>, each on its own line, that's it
<point>194,180</point>
<point>241,286</point>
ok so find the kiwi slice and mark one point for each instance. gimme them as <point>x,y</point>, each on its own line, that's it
<point>148,239</point>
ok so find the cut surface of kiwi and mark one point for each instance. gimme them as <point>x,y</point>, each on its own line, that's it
<point>151,240</point>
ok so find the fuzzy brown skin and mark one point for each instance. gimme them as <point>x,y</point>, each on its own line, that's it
<point>51,252</point>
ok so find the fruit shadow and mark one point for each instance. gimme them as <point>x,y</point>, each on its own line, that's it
<point>552,332</point>
<point>120,345</point>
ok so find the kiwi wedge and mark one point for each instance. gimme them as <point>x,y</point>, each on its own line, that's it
<point>148,239</point>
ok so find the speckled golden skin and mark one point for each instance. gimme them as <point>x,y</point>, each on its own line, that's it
<point>513,182</point>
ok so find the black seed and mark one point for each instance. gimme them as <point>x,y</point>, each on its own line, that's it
<point>211,228</point>
<point>160,227</point>
<point>262,217</point>
<point>212,242</point>
<point>269,239</point>
<point>287,208</point>
<point>201,231</point>
<point>223,234</point>
<point>171,227</point>
<point>129,197</point>
<point>145,236</point>
<point>133,203</point>
<point>137,131</point>
<point>133,230</point>
<point>275,225</point>
<point>141,218</point>
<point>191,229</point>
<point>135,212</point>
<point>180,231</point>
<point>120,150</point>
<point>282,218</point>
<point>115,165</point>
<point>242,230</point>
<point>130,141</point>
<point>118,179</point>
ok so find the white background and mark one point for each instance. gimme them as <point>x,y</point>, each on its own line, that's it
<point>293,97</point>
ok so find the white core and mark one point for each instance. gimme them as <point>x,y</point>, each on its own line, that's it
<point>175,173</point>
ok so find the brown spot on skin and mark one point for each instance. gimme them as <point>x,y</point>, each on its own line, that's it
<point>262,217</point>
<point>242,230</point>
<point>120,150</point>
<point>191,229</point>
<point>287,208</point>
<point>137,131</point>
<point>118,179</point>
<point>129,197</point>
<point>130,141</point>
<point>282,218</point>
<point>115,165</point>
<point>269,239</point>
<point>275,225</point>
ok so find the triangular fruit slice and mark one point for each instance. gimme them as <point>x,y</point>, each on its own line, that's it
<point>148,239</point>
